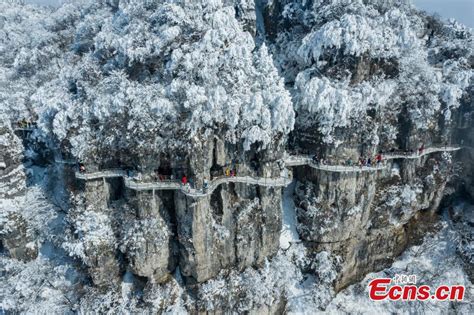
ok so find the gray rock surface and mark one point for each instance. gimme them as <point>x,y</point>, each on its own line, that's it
<point>364,218</point>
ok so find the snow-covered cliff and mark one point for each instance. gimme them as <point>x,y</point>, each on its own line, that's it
<point>160,93</point>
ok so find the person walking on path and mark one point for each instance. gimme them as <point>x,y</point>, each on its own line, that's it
<point>184,180</point>
<point>205,185</point>
<point>378,158</point>
<point>349,162</point>
<point>421,149</point>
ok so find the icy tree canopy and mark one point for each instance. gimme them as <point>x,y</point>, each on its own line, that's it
<point>150,76</point>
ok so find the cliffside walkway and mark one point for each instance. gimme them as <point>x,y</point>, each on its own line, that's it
<point>306,160</point>
<point>101,174</point>
<point>281,181</point>
<point>65,161</point>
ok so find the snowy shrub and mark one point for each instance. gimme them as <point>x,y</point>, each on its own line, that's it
<point>327,49</point>
<point>37,287</point>
<point>150,78</point>
<point>136,236</point>
<point>94,235</point>
<point>433,262</point>
<point>325,266</point>
<point>335,104</point>
<point>252,288</point>
<point>221,232</point>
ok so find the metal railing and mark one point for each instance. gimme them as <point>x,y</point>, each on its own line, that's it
<point>64,161</point>
<point>279,181</point>
<point>101,174</point>
<point>418,154</point>
<point>307,160</point>
<point>348,168</point>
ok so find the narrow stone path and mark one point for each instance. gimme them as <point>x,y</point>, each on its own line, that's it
<point>302,160</point>
<point>283,180</point>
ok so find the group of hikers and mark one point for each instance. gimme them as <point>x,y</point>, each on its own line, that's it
<point>232,172</point>
<point>369,162</point>
<point>82,168</point>
<point>421,149</point>
<point>364,161</point>
<point>187,182</point>
<point>24,123</point>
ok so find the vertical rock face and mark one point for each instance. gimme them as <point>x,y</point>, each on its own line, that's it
<point>147,235</point>
<point>227,229</point>
<point>236,226</point>
<point>466,155</point>
<point>363,217</point>
<point>12,176</point>
<point>464,135</point>
<point>15,234</point>
<point>94,224</point>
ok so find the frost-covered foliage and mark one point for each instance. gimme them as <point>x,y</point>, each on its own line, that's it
<point>94,234</point>
<point>36,287</point>
<point>34,209</point>
<point>147,77</point>
<point>433,262</point>
<point>135,236</point>
<point>462,215</point>
<point>361,29</point>
<point>334,102</point>
<point>10,144</point>
<point>404,200</point>
<point>348,58</point>
<point>294,275</point>
<point>37,276</point>
<point>254,289</point>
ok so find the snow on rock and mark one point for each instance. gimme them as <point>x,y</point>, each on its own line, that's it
<point>433,262</point>
<point>279,277</point>
<point>289,234</point>
<point>336,104</point>
<point>148,78</point>
<point>351,60</point>
<point>107,80</point>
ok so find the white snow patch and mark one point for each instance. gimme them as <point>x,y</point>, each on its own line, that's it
<point>289,234</point>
